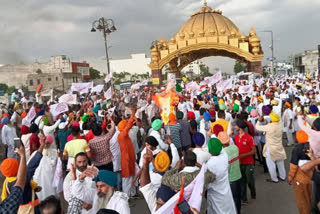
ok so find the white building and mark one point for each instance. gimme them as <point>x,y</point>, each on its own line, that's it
<point>193,67</point>
<point>53,74</point>
<point>137,64</point>
<point>307,61</point>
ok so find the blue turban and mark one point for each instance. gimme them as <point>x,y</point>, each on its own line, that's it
<point>5,120</point>
<point>198,139</point>
<point>314,109</point>
<point>96,108</point>
<point>207,116</point>
<point>165,193</point>
<point>41,112</point>
<point>107,177</point>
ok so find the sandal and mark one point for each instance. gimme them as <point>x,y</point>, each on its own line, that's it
<point>272,181</point>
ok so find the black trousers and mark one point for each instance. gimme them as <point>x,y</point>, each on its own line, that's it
<point>315,197</point>
<point>108,166</point>
<point>236,193</point>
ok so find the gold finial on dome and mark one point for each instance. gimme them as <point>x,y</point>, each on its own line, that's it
<point>205,3</point>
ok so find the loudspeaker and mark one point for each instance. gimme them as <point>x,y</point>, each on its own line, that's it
<point>319,50</point>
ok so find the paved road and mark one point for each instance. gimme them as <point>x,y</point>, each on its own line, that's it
<point>271,198</point>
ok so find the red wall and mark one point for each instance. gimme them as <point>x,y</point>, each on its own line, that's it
<point>81,64</point>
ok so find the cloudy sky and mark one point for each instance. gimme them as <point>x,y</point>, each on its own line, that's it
<point>37,29</point>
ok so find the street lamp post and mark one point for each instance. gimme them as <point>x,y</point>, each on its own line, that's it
<point>272,49</point>
<point>106,26</point>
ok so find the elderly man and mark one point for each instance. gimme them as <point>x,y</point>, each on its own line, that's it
<point>104,195</point>
<point>44,174</point>
<point>81,164</point>
<point>273,150</point>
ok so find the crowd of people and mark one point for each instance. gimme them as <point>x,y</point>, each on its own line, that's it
<point>100,155</point>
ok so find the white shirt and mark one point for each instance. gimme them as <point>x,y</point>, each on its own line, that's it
<point>202,155</point>
<point>220,198</point>
<point>162,145</point>
<point>115,150</point>
<point>67,187</point>
<point>8,133</point>
<point>26,142</point>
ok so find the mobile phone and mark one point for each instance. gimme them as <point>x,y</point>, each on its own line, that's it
<point>17,142</point>
<point>184,207</point>
<point>168,130</point>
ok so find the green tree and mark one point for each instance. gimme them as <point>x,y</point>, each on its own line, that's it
<point>11,89</point>
<point>39,71</point>
<point>24,89</point>
<point>3,87</point>
<point>94,73</point>
<point>238,67</point>
<point>204,70</point>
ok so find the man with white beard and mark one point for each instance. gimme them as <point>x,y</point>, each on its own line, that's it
<point>104,194</point>
<point>45,172</point>
<point>81,164</point>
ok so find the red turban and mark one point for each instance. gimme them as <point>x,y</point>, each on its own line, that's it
<point>9,167</point>
<point>212,113</point>
<point>24,130</point>
<point>217,129</point>
<point>191,115</point>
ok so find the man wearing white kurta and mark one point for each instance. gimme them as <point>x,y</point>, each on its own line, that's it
<point>220,198</point>
<point>81,164</point>
<point>287,119</point>
<point>103,195</point>
<point>44,174</point>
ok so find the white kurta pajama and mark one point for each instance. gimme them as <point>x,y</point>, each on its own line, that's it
<point>67,188</point>
<point>8,133</point>
<point>220,200</point>
<point>287,116</point>
<point>118,201</point>
<point>44,174</point>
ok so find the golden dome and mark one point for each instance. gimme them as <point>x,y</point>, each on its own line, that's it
<point>208,22</point>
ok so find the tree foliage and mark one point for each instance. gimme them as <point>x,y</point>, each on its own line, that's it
<point>94,73</point>
<point>39,71</point>
<point>3,87</point>
<point>204,70</point>
<point>238,67</point>
<point>11,89</point>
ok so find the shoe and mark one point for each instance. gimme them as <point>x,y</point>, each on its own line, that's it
<point>272,181</point>
<point>281,179</point>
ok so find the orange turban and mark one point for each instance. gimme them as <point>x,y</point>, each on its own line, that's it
<point>287,104</point>
<point>162,162</point>
<point>302,137</point>
<point>122,125</point>
<point>9,167</point>
<point>172,118</point>
<point>23,115</point>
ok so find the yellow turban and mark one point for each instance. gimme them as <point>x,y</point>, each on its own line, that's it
<point>274,117</point>
<point>162,162</point>
<point>260,99</point>
<point>221,102</point>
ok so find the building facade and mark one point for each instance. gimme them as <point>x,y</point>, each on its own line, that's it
<point>59,73</point>
<point>306,62</point>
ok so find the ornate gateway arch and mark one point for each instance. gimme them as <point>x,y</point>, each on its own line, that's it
<point>206,33</point>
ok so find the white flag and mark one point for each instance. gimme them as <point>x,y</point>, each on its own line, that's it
<point>31,115</point>
<point>68,98</point>
<point>215,78</point>
<point>82,87</point>
<point>97,88</point>
<point>108,94</point>
<point>192,194</point>
<point>59,108</point>
<point>246,89</point>
<point>108,77</point>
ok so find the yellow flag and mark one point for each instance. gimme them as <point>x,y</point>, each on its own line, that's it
<point>184,79</point>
